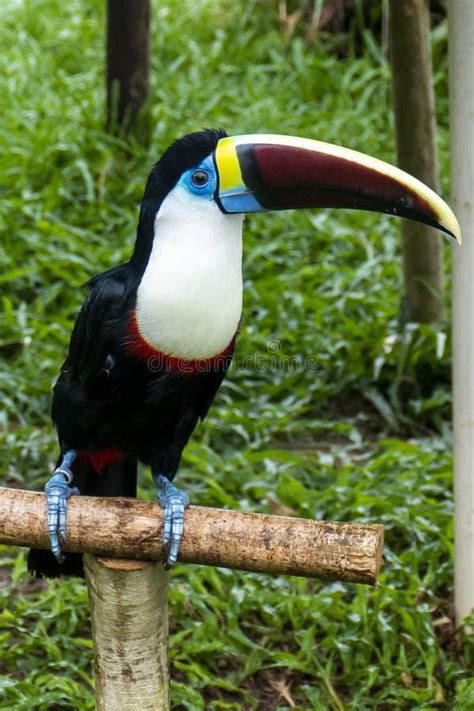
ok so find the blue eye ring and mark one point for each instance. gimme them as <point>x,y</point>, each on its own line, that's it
<point>200,178</point>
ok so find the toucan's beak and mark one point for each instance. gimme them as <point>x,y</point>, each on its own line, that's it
<point>271,172</point>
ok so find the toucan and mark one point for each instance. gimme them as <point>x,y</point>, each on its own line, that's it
<point>155,336</point>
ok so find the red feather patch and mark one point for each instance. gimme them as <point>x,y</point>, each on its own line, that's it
<point>139,348</point>
<point>101,460</point>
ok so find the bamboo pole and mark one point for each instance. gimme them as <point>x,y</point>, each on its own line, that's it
<point>127,528</point>
<point>461,88</point>
<point>415,122</point>
<point>129,615</point>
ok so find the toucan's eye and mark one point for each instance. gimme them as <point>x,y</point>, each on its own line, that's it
<point>200,181</point>
<point>200,178</point>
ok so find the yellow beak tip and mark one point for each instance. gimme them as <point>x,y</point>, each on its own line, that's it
<point>454,229</point>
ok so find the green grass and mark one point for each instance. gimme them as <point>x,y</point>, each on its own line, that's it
<point>358,430</point>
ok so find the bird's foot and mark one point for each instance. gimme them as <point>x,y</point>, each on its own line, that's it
<point>174,502</point>
<point>58,491</point>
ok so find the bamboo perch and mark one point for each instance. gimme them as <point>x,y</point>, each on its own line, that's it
<point>128,528</point>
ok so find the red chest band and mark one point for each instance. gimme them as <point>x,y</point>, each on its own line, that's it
<point>138,348</point>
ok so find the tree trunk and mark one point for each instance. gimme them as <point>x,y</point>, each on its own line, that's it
<point>413,93</point>
<point>128,60</point>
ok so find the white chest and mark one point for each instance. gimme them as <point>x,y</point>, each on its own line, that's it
<point>189,300</point>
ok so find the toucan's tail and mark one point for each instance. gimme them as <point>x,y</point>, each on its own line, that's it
<point>119,478</point>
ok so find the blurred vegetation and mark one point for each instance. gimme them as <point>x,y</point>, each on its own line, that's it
<point>344,25</point>
<point>335,407</point>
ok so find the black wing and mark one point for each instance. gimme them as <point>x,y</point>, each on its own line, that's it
<point>98,327</point>
<point>214,381</point>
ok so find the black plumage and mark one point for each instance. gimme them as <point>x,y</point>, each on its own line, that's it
<point>112,403</point>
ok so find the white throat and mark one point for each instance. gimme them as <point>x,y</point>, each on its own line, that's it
<point>189,300</point>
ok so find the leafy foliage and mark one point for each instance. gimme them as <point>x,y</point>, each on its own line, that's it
<point>326,382</point>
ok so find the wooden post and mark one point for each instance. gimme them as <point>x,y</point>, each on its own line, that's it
<point>128,60</point>
<point>129,615</point>
<point>414,103</point>
<point>461,89</point>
